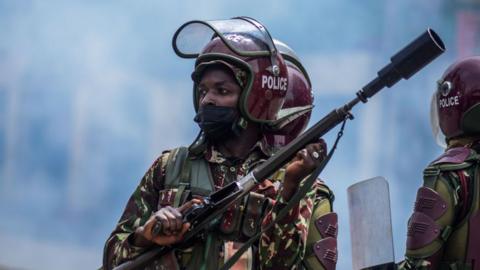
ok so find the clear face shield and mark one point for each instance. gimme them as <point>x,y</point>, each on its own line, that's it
<point>189,40</point>
<point>435,123</point>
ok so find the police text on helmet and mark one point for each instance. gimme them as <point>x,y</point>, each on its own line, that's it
<point>274,83</point>
<point>448,102</point>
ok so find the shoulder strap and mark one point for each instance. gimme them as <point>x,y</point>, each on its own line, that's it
<point>184,180</point>
<point>186,174</point>
<point>449,170</point>
<point>453,159</point>
<point>173,166</point>
<point>430,175</point>
<point>177,173</point>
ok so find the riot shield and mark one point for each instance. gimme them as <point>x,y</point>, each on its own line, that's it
<point>370,225</point>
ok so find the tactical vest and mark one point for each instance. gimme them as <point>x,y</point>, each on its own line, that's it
<point>186,177</point>
<point>456,176</point>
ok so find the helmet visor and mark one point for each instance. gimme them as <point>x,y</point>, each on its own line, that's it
<point>435,123</point>
<point>189,40</point>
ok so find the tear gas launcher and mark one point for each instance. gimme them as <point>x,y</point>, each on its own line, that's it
<point>403,64</point>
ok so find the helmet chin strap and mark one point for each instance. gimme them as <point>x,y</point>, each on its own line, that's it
<point>241,123</point>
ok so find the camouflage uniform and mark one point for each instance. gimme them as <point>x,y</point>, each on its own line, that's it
<point>443,232</point>
<point>286,246</point>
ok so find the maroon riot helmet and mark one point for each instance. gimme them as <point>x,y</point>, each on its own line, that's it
<point>245,47</point>
<point>295,114</point>
<point>457,99</point>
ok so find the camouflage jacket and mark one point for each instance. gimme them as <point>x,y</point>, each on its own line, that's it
<point>283,247</point>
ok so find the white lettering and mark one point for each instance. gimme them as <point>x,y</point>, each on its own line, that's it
<point>264,81</point>
<point>284,84</point>
<point>449,102</point>
<point>274,83</point>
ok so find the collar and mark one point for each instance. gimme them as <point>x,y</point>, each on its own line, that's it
<point>260,150</point>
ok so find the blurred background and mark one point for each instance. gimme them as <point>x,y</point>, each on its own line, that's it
<point>91,93</point>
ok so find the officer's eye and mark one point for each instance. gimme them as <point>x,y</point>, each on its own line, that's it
<point>223,91</point>
<point>202,92</point>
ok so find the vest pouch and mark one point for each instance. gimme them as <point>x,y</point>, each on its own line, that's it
<point>255,208</point>
<point>230,223</point>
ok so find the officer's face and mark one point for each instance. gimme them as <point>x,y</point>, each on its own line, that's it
<point>218,87</point>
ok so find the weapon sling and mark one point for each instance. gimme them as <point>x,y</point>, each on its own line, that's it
<point>307,183</point>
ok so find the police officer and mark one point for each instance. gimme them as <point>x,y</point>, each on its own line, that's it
<point>444,229</point>
<point>240,85</point>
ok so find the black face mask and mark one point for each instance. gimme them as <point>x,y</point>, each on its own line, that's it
<point>217,122</point>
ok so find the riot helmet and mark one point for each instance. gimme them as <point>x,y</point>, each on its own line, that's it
<point>456,102</point>
<point>295,113</point>
<point>245,47</point>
